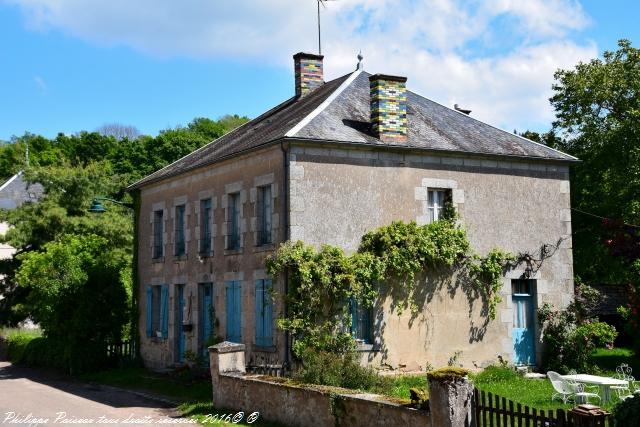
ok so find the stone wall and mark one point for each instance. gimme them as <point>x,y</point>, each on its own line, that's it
<point>243,175</point>
<point>300,406</point>
<point>339,194</point>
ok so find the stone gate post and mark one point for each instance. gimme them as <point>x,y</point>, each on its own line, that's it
<point>451,398</point>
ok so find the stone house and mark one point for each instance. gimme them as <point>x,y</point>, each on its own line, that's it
<point>336,160</point>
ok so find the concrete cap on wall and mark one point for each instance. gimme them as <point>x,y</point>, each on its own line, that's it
<point>227,347</point>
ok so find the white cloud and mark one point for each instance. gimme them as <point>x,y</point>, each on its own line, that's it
<point>494,56</point>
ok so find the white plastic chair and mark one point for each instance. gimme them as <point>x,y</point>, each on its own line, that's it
<point>582,392</point>
<point>623,372</point>
<point>561,387</point>
<point>568,390</point>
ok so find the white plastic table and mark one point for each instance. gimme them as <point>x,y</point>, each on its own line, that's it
<point>605,383</point>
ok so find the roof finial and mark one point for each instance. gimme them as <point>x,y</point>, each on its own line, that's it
<point>360,58</point>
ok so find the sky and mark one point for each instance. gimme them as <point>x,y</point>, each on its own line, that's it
<point>72,65</point>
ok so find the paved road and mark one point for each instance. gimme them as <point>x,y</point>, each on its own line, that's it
<point>31,397</point>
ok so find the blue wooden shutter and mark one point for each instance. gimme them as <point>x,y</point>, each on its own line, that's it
<point>268,313</point>
<point>233,311</point>
<point>259,312</point>
<point>164,311</point>
<point>149,311</point>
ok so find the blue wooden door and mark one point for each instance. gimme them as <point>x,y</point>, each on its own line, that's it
<point>206,318</point>
<point>524,349</point>
<point>233,311</point>
<point>179,318</point>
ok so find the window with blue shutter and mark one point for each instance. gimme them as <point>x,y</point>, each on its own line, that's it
<point>233,241</point>
<point>180,248</point>
<point>233,308</point>
<point>265,211</point>
<point>360,322</point>
<point>164,311</point>
<point>206,220</point>
<point>158,230</point>
<point>264,313</point>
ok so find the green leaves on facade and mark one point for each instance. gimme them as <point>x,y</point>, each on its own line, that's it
<point>390,259</point>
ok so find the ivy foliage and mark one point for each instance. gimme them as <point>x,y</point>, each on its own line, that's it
<point>390,259</point>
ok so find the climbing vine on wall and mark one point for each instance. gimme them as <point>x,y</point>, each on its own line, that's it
<point>393,257</point>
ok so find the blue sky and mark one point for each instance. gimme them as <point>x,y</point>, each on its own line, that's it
<point>71,65</point>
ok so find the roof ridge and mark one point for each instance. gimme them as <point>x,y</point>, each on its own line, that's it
<point>490,125</point>
<point>320,108</point>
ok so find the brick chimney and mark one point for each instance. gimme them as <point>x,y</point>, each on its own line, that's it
<point>308,71</point>
<point>388,98</point>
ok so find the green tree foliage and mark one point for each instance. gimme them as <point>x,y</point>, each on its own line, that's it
<point>68,192</point>
<point>79,296</point>
<point>73,170</point>
<point>598,117</point>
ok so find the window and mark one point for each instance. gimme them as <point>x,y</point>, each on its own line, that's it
<point>206,219</point>
<point>158,230</point>
<point>360,322</point>
<point>233,241</point>
<point>265,210</point>
<point>157,310</point>
<point>179,232</point>
<point>264,313</point>
<point>436,201</point>
<point>207,318</point>
<point>234,333</point>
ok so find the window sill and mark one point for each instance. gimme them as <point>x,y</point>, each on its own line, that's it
<point>365,348</point>
<point>233,251</point>
<point>206,254</point>
<point>264,248</point>
<point>178,258</point>
<point>269,349</point>
<point>159,260</point>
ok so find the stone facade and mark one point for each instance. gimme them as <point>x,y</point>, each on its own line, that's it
<point>241,175</point>
<point>338,194</point>
<point>333,195</point>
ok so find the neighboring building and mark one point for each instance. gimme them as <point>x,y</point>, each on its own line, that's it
<point>13,193</point>
<point>336,160</point>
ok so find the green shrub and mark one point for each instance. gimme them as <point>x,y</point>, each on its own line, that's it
<point>627,412</point>
<point>570,336</point>
<point>17,343</point>
<point>495,373</point>
<point>324,368</point>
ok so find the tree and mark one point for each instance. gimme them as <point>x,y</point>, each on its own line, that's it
<point>598,115</point>
<point>119,131</point>
<point>68,192</point>
<point>79,296</point>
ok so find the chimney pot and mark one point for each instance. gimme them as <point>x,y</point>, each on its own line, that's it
<point>308,72</point>
<point>388,98</point>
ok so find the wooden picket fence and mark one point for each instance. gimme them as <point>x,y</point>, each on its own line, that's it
<point>122,351</point>
<point>494,411</point>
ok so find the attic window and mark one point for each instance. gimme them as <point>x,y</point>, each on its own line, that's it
<point>436,200</point>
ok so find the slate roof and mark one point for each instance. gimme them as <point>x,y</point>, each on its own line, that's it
<point>338,112</point>
<point>16,191</point>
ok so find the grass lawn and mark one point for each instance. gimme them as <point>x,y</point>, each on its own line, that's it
<point>537,393</point>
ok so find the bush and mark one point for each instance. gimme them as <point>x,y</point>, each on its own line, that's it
<point>571,337</point>
<point>323,368</point>
<point>17,343</point>
<point>495,373</point>
<point>627,412</point>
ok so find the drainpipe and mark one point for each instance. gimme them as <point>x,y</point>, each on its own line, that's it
<point>285,203</point>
